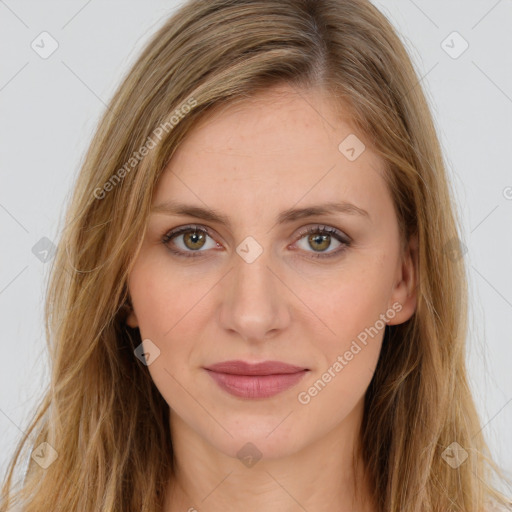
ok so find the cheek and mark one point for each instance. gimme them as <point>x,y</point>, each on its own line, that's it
<point>352,299</point>
<point>172,309</point>
<point>150,299</point>
<point>350,350</point>
<point>161,296</point>
<point>353,304</point>
<point>167,306</point>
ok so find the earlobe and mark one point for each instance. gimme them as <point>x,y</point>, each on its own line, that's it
<point>404,294</point>
<point>131,319</point>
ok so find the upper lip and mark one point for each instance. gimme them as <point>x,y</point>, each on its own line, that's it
<point>264,368</point>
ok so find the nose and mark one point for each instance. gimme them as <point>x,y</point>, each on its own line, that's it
<point>255,301</point>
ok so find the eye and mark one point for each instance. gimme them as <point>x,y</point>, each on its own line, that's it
<point>320,238</point>
<point>190,240</point>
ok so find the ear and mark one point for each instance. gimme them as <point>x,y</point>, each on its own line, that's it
<point>406,284</point>
<point>131,318</point>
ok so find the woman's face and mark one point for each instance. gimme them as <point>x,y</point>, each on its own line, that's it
<point>257,287</point>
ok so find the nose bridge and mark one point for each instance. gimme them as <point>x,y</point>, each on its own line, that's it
<point>253,303</point>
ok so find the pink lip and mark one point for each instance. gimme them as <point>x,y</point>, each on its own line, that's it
<point>260,380</point>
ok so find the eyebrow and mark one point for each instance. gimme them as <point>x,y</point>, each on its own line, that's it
<point>287,216</point>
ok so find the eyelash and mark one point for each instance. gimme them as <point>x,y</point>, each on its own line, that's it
<point>320,229</point>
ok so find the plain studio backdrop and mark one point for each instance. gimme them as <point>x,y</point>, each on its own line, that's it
<point>52,94</point>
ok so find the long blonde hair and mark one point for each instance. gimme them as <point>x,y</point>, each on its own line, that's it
<point>102,414</point>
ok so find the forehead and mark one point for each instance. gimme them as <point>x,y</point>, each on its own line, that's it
<point>282,121</point>
<point>273,149</point>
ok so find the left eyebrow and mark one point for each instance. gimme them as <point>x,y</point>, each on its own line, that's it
<point>286,216</point>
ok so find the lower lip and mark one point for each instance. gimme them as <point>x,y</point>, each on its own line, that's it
<point>256,386</point>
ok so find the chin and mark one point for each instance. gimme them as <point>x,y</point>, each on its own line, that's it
<point>260,438</point>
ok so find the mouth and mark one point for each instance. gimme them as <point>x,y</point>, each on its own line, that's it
<point>252,381</point>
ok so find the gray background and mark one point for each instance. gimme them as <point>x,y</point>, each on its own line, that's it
<point>50,107</point>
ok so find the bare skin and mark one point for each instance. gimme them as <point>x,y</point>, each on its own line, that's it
<point>250,163</point>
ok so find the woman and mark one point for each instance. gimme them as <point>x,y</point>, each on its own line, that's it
<point>255,301</point>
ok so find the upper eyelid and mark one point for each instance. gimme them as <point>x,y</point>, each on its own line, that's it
<point>189,227</point>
